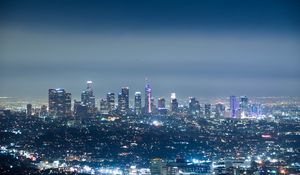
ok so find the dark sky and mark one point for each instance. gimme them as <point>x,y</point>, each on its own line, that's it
<point>201,48</point>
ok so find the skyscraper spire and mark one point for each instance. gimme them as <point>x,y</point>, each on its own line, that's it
<point>148,96</point>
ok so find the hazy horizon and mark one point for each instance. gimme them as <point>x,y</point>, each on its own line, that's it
<point>193,48</point>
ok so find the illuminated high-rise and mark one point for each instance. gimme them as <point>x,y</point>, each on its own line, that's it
<point>68,103</point>
<point>121,104</point>
<point>103,106</point>
<point>43,111</point>
<point>174,105</point>
<point>138,103</point>
<point>244,105</point>
<point>110,102</point>
<point>123,100</point>
<point>194,106</point>
<point>88,98</point>
<point>207,110</point>
<point>125,94</point>
<point>59,102</point>
<point>161,103</point>
<point>233,107</point>
<point>220,110</point>
<point>29,110</point>
<point>148,96</point>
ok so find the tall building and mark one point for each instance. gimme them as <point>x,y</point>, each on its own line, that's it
<point>123,100</point>
<point>244,105</point>
<point>43,111</point>
<point>233,107</point>
<point>158,167</point>
<point>194,106</point>
<point>174,105</point>
<point>110,102</point>
<point>121,104</point>
<point>220,110</point>
<point>88,98</point>
<point>68,103</point>
<point>29,110</point>
<point>125,94</point>
<point>138,103</point>
<point>161,103</point>
<point>148,96</point>
<point>80,110</point>
<point>103,106</point>
<point>207,110</point>
<point>59,102</point>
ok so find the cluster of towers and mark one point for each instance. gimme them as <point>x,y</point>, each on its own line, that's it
<point>60,105</point>
<point>108,106</point>
<point>242,108</point>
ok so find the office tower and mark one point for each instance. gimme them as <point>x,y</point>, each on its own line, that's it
<point>244,105</point>
<point>233,107</point>
<point>207,110</point>
<point>121,104</point>
<point>153,106</point>
<point>125,94</point>
<point>138,103</point>
<point>43,111</point>
<point>75,106</point>
<point>80,110</point>
<point>194,106</point>
<point>103,106</point>
<point>29,110</point>
<point>88,98</point>
<point>174,105</point>
<point>161,103</point>
<point>256,110</point>
<point>68,103</point>
<point>220,110</point>
<point>158,167</point>
<point>148,96</point>
<point>123,101</point>
<point>110,102</point>
<point>59,102</point>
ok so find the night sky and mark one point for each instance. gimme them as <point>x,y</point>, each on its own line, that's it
<point>202,48</point>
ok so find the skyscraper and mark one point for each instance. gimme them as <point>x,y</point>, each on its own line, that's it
<point>29,110</point>
<point>174,105</point>
<point>88,98</point>
<point>161,103</point>
<point>244,105</point>
<point>137,103</point>
<point>125,94</point>
<point>194,106</point>
<point>148,96</point>
<point>233,107</point>
<point>59,102</point>
<point>103,106</point>
<point>121,104</point>
<point>43,111</point>
<point>110,102</point>
<point>220,110</point>
<point>68,103</point>
<point>123,100</point>
<point>207,110</point>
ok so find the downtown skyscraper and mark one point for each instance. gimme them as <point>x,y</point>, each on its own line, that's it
<point>59,102</point>
<point>148,97</point>
<point>233,106</point>
<point>137,103</point>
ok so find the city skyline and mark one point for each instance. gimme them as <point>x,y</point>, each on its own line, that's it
<point>207,48</point>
